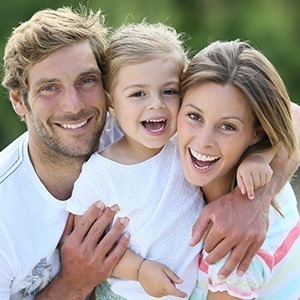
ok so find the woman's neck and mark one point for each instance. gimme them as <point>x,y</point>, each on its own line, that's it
<point>216,190</point>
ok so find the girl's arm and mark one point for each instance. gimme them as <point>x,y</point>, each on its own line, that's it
<point>156,279</point>
<point>255,171</point>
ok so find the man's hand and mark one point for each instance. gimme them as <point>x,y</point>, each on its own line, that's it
<point>87,259</point>
<point>237,224</point>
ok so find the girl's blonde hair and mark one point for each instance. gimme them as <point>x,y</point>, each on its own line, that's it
<point>238,63</point>
<point>137,43</point>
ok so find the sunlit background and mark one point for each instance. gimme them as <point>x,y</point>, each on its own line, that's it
<point>270,25</point>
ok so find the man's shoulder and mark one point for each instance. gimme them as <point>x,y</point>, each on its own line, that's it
<point>11,157</point>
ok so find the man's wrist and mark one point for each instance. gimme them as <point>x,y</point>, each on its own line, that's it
<point>58,288</point>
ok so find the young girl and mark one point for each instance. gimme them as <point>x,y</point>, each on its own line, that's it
<point>142,170</point>
<point>255,115</point>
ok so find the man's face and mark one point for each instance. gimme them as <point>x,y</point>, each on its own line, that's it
<point>66,106</point>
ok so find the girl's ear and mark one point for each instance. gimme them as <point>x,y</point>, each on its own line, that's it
<point>110,107</point>
<point>17,100</point>
<point>258,136</point>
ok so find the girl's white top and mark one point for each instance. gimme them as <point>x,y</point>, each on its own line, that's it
<point>161,205</point>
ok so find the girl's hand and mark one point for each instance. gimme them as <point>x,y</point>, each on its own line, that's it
<point>253,172</point>
<point>158,280</point>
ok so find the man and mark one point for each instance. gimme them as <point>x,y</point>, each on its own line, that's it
<point>53,74</point>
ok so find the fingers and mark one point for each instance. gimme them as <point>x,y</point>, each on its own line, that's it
<point>213,239</point>
<point>172,276</point>
<point>169,285</point>
<point>68,229</point>
<point>245,262</point>
<point>100,224</point>
<point>202,224</point>
<point>240,256</point>
<point>258,179</point>
<point>115,255</point>
<point>247,184</point>
<point>218,252</point>
<point>232,262</point>
<point>172,290</point>
<point>86,221</point>
<point>113,235</point>
<point>240,184</point>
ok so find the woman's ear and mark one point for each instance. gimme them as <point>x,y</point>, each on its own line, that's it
<point>258,136</point>
<point>17,100</point>
<point>110,106</point>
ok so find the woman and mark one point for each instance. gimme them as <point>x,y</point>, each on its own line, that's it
<point>234,103</point>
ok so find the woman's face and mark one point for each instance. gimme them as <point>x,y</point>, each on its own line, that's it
<point>215,127</point>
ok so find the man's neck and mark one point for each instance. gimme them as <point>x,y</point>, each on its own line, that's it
<point>57,172</point>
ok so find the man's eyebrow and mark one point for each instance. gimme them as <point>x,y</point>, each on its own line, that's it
<point>46,80</point>
<point>90,71</point>
<point>54,80</point>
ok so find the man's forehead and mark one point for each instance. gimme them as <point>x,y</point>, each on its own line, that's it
<point>67,62</point>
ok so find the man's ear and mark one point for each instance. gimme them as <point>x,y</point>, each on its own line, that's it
<point>17,100</point>
<point>258,136</point>
<point>110,106</point>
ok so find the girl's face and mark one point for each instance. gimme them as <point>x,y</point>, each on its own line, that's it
<point>146,100</point>
<point>215,127</point>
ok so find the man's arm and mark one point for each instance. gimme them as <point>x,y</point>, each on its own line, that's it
<point>240,224</point>
<point>85,261</point>
<point>296,120</point>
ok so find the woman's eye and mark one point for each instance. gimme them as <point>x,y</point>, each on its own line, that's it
<point>194,116</point>
<point>228,127</point>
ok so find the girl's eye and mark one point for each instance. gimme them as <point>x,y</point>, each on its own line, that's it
<point>228,127</point>
<point>138,94</point>
<point>170,92</point>
<point>194,116</point>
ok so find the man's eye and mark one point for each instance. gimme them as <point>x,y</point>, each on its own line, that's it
<point>48,88</point>
<point>87,80</point>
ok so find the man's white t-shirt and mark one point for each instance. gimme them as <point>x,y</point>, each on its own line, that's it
<point>31,223</point>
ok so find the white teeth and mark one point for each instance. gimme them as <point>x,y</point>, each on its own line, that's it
<point>157,130</point>
<point>161,120</point>
<point>201,157</point>
<point>74,126</point>
<point>200,168</point>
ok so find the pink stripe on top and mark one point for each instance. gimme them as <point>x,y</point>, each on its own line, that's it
<point>283,249</point>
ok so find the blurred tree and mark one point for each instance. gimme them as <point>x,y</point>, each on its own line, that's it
<point>270,25</point>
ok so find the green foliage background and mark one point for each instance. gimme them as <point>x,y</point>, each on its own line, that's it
<point>270,25</point>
